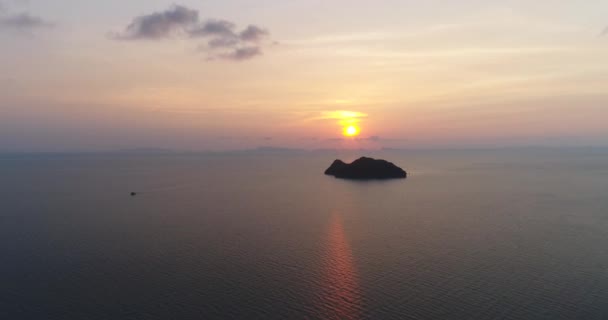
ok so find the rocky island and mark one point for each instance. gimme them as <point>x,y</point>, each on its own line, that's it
<point>365,169</point>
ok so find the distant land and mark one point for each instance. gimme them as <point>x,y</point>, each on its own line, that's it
<point>284,150</point>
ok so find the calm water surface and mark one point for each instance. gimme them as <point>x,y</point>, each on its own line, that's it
<point>510,234</point>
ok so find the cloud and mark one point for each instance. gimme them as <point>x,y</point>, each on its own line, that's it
<point>343,117</point>
<point>604,32</point>
<point>224,40</point>
<point>222,43</point>
<point>160,25</point>
<point>372,138</point>
<point>253,34</point>
<point>226,43</point>
<point>381,139</point>
<point>220,28</point>
<point>342,114</point>
<point>24,21</point>
<point>241,53</point>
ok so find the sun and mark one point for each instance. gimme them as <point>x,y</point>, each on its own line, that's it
<point>351,131</point>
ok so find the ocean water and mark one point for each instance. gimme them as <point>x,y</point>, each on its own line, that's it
<point>502,234</point>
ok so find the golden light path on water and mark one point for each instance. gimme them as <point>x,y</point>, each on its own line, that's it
<point>341,295</point>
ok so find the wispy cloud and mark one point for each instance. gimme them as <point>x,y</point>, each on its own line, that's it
<point>340,114</point>
<point>241,53</point>
<point>381,139</point>
<point>371,138</point>
<point>225,41</point>
<point>604,32</point>
<point>24,21</point>
<point>343,117</point>
<point>21,21</point>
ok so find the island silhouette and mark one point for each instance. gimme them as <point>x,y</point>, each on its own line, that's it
<point>365,168</point>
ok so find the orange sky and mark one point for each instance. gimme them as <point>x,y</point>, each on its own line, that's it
<point>214,76</point>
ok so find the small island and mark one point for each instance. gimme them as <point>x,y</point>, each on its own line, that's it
<point>365,169</point>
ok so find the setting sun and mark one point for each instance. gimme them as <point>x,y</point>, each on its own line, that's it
<point>351,131</point>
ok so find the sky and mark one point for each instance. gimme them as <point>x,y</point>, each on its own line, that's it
<point>222,75</point>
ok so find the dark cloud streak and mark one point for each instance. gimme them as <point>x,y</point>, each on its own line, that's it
<point>224,39</point>
<point>240,54</point>
<point>220,28</point>
<point>160,25</point>
<point>222,43</point>
<point>24,21</point>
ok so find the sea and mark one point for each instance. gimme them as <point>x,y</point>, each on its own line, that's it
<point>514,233</point>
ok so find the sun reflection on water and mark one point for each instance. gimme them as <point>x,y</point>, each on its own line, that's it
<point>341,294</point>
